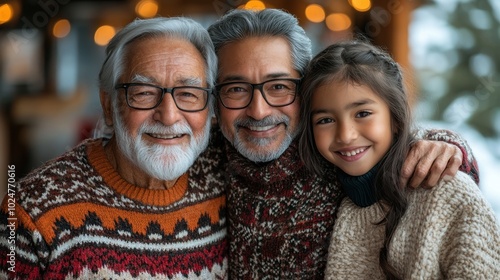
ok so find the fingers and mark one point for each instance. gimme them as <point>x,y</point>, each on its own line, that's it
<point>436,171</point>
<point>430,161</point>
<point>415,164</point>
<point>454,163</point>
<point>445,166</point>
<point>422,170</point>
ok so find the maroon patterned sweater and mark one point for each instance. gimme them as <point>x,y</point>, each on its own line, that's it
<point>281,216</point>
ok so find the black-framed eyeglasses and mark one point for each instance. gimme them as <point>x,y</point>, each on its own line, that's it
<point>276,92</point>
<point>142,96</point>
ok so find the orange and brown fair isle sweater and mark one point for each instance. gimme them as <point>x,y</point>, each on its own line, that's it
<point>75,217</point>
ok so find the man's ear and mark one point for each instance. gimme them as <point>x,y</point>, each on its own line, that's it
<point>107,107</point>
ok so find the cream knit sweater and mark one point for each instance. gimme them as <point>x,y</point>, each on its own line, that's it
<point>449,232</point>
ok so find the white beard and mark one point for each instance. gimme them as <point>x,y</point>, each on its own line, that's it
<point>159,161</point>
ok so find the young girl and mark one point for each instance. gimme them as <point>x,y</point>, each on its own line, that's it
<point>356,117</point>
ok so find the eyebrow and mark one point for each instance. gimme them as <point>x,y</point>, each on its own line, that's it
<point>235,78</point>
<point>188,81</point>
<point>358,103</point>
<point>143,79</point>
<point>352,105</point>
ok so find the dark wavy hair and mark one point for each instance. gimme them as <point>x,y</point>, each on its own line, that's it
<point>360,63</point>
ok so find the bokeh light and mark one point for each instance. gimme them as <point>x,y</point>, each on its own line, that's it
<point>104,34</point>
<point>254,5</point>
<point>361,5</point>
<point>146,8</point>
<point>338,22</point>
<point>315,13</point>
<point>6,13</point>
<point>61,29</point>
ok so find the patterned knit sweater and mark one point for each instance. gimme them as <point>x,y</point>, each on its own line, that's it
<point>449,232</point>
<point>281,216</point>
<point>75,217</point>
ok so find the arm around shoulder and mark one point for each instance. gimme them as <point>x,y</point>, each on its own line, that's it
<point>469,163</point>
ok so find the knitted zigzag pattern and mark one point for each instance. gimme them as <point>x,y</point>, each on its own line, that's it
<point>76,218</point>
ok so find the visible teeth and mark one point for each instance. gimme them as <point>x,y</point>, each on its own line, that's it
<point>163,136</point>
<point>352,153</point>
<point>260,128</point>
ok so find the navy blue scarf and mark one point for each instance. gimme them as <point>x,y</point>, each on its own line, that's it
<point>360,189</point>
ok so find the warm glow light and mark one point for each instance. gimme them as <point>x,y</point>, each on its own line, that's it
<point>61,28</point>
<point>103,34</point>
<point>315,13</point>
<point>338,22</point>
<point>6,13</point>
<point>255,5</point>
<point>146,8</point>
<point>361,5</point>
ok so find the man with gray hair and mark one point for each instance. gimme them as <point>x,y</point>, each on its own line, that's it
<point>280,215</point>
<point>150,201</point>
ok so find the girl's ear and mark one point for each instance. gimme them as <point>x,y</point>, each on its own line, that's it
<point>107,107</point>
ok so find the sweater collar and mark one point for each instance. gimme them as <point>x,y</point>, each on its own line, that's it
<point>97,158</point>
<point>360,189</point>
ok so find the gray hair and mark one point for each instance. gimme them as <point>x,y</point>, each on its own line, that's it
<point>239,24</point>
<point>175,27</point>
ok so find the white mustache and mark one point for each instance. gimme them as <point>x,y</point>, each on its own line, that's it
<point>268,121</point>
<point>165,131</point>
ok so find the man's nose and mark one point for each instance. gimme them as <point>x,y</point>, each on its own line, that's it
<point>167,112</point>
<point>258,107</point>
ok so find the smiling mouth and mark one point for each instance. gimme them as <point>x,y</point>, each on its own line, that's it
<point>261,128</point>
<point>165,136</point>
<point>353,152</point>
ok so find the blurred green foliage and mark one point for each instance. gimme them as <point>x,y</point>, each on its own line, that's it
<point>472,94</point>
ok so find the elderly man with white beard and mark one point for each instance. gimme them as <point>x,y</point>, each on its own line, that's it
<point>148,202</point>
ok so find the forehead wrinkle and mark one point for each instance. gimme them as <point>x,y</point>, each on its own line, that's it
<point>278,75</point>
<point>235,78</point>
<point>185,81</point>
